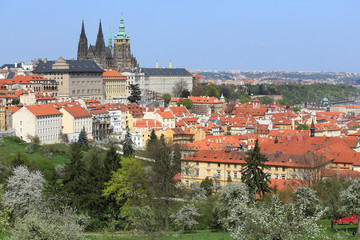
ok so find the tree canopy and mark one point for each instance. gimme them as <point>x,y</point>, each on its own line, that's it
<point>135,93</point>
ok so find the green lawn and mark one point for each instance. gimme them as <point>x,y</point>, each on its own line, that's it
<point>340,231</point>
<point>198,235</point>
<point>9,147</point>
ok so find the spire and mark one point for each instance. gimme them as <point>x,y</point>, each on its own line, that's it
<point>121,34</point>
<point>110,39</point>
<point>312,129</point>
<point>157,64</point>
<point>170,65</point>
<point>83,44</point>
<point>100,44</point>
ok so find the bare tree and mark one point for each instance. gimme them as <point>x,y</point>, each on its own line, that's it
<point>180,86</point>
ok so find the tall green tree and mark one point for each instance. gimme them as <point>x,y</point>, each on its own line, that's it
<point>111,162</point>
<point>186,102</point>
<point>166,97</point>
<point>74,179</point>
<point>208,185</point>
<point>129,185</point>
<point>166,165</point>
<point>212,91</point>
<point>135,94</point>
<point>83,140</point>
<point>128,148</point>
<point>253,173</point>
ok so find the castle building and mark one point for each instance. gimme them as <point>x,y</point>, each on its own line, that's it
<point>117,55</point>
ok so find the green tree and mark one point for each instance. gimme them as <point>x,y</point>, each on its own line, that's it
<point>128,185</point>
<point>302,126</point>
<point>83,140</point>
<point>208,185</point>
<point>135,94</point>
<point>112,162</point>
<point>246,99</point>
<point>295,109</point>
<point>253,173</point>
<point>74,179</point>
<point>185,93</point>
<point>185,102</point>
<point>166,165</point>
<point>18,159</point>
<point>212,91</point>
<point>166,97</point>
<point>128,149</point>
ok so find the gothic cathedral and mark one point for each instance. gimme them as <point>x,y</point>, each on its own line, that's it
<point>117,56</point>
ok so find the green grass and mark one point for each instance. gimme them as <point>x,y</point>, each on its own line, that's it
<point>339,232</point>
<point>9,147</point>
<point>196,235</point>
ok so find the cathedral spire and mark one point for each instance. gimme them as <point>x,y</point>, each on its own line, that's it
<point>121,35</point>
<point>83,44</point>
<point>312,129</point>
<point>110,40</point>
<point>100,52</point>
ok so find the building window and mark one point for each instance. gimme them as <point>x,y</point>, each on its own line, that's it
<point>208,164</point>
<point>276,169</point>
<point>187,183</point>
<point>218,164</point>
<point>20,123</point>
<point>229,165</point>
<point>235,174</point>
<point>235,166</point>
<point>228,175</point>
<point>197,173</point>
<point>276,177</point>
<point>283,177</point>
<point>218,173</point>
<point>283,169</point>
<point>197,163</point>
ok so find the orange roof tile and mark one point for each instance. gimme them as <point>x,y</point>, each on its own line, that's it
<point>77,111</point>
<point>43,110</point>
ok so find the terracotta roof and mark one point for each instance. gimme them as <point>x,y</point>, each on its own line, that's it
<point>43,110</point>
<point>165,114</point>
<point>77,111</point>
<point>113,74</point>
<point>147,123</point>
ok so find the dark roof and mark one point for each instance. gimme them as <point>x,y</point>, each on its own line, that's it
<point>11,75</point>
<point>74,66</point>
<point>166,72</point>
<point>9,66</point>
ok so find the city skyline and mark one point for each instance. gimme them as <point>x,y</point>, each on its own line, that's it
<point>296,36</point>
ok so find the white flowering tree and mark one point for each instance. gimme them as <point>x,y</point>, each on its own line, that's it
<point>307,198</point>
<point>274,221</point>
<point>23,189</point>
<point>350,198</point>
<point>197,193</point>
<point>185,217</point>
<point>48,222</point>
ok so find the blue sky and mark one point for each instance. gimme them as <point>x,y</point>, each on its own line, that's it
<point>313,35</point>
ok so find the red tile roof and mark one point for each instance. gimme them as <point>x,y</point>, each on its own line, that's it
<point>43,110</point>
<point>77,111</point>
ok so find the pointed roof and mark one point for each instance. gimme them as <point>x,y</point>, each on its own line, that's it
<point>110,39</point>
<point>121,35</point>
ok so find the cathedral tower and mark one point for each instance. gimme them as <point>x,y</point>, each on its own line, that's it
<point>83,44</point>
<point>100,52</point>
<point>122,53</point>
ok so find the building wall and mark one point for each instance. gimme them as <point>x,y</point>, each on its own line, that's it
<point>115,88</point>
<point>63,80</point>
<point>165,84</point>
<point>48,128</point>
<point>87,85</point>
<point>67,122</point>
<point>24,123</point>
<point>2,116</point>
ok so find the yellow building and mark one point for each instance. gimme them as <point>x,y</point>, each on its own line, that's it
<point>168,134</point>
<point>115,85</point>
<point>2,116</point>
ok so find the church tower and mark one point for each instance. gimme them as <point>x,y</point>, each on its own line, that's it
<point>100,52</point>
<point>122,54</point>
<point>83,44</point>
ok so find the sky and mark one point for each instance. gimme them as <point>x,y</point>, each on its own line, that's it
<point>293,35</point>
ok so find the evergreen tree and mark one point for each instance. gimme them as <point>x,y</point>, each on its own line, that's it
<point>74,184</point>
<point>253,174</point>
<point>111,162</point>
<point>128,150</point>
<point>208,185</point>
<point>167,164</point>
<point>83,140</point>
<point>135,93</point>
